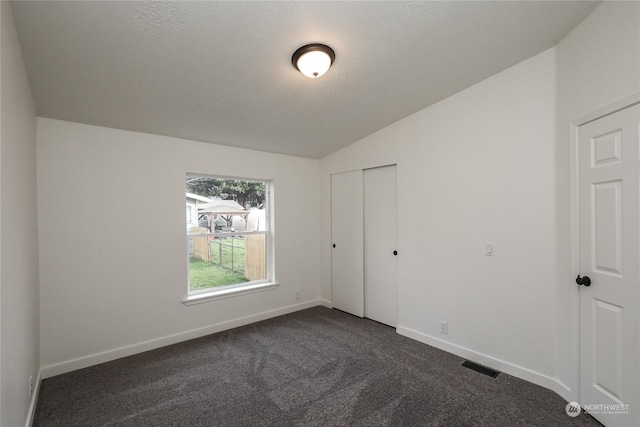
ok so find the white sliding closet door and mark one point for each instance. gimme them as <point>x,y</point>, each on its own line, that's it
<point>347,252</point>
<point>380,251</point>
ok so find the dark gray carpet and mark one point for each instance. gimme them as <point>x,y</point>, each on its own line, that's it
<point>316,367</point>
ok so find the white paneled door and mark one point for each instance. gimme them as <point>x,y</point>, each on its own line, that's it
<point>609,192</point>
<point>380,251</point>
<point>347,252</point>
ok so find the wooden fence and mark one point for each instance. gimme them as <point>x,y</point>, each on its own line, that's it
<point>201,247</point>
<point>254,257</point>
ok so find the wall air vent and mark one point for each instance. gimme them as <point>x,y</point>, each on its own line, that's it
<point>482,369</point>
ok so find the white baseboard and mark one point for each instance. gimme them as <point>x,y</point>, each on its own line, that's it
<point>34,401</point>
<point>490,361</point>
<point>326,303</point>
<point>107,356</point>
<point>565,392</point>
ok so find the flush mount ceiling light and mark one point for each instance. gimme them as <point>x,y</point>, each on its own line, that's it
<point>313,60</point>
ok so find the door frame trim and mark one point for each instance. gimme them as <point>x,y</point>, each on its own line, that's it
<point>574,210</point>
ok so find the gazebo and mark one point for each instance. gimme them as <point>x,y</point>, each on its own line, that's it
<point>226,209</point>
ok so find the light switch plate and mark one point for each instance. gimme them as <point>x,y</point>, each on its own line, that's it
<point>490,249</point>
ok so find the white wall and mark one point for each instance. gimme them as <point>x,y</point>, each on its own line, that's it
<point>477,167</point>
<point>598,64</point>
<point>112,283</point>
<point>19,331</point>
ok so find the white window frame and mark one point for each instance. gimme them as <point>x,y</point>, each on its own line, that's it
<point>236,289</point>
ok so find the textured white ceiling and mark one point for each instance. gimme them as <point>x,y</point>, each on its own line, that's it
<point>221,71</point>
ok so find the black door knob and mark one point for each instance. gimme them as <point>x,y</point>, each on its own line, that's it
<point>586,281</point>
<point>334,245</point>
<point>395,252</point>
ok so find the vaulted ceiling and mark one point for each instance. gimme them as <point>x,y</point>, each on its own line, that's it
<point>221,72</point>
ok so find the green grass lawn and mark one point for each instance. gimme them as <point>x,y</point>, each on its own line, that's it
<point>204,275</point>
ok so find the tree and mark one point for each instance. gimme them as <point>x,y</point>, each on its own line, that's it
<point>247,193</point>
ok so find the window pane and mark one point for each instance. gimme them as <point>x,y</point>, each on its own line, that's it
<point>222,211</point>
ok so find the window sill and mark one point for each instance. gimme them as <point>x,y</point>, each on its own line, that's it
<point>227,293</point>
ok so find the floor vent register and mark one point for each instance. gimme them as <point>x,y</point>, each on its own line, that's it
<point>482,369</point>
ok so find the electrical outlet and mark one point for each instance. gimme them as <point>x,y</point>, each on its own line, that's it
<point>30,385</point>
<point>298,294</point>
<point>444,327</point>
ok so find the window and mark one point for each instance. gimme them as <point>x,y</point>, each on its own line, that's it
<point>228,235</point>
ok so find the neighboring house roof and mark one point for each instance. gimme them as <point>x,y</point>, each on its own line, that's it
<point>198,198</point>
